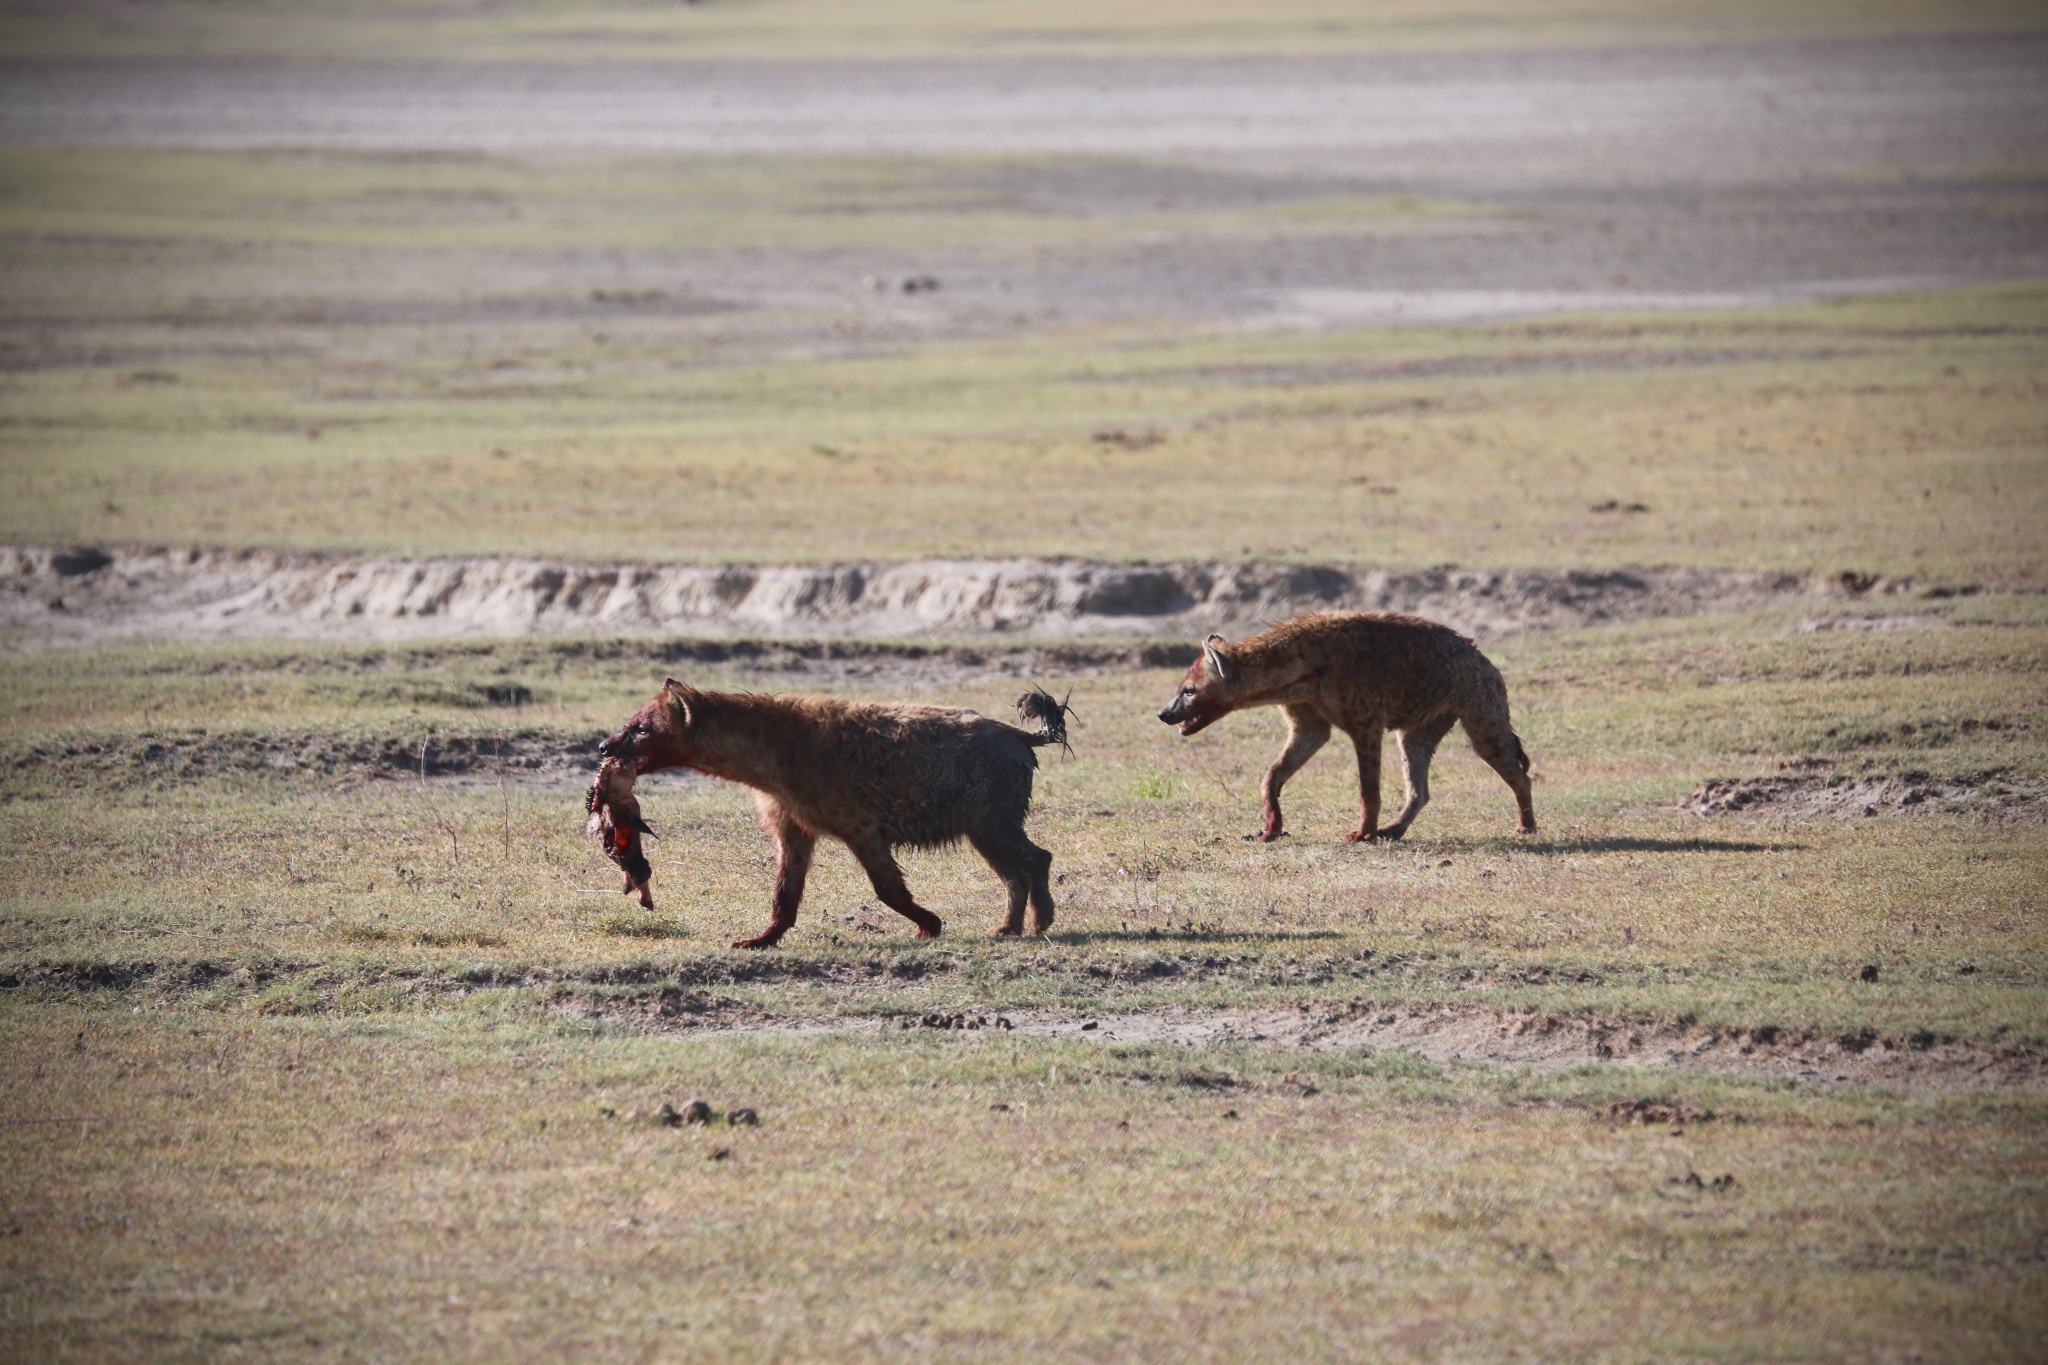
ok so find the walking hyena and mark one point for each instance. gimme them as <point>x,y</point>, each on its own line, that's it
<point>873,777</point>
<point>1364,673</point>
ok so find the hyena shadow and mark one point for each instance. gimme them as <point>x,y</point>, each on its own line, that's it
<point>1083,937</point>
<point>1560,846</point>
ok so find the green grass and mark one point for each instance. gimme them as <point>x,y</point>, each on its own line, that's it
<point>268,812</point>
<point>556,30</point>
<point>387,354</point>
<point>303,1057</point>
<point>306,1062</point>
<point>473,202</point>
<point>307,1188</point>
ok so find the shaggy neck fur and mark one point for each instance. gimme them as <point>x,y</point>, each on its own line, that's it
<point>1266,667</point>
<point>742,737</point>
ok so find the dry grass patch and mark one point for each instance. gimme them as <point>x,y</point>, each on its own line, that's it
<point>177,1183</point>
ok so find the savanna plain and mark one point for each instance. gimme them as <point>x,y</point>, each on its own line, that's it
<point>328,1035</point>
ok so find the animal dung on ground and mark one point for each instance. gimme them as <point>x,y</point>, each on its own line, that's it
<point>616,824</point>
<point>696,1111</point>
<point>743,1118</point>
<point>961,1021</point>
<point>1647,1111</point>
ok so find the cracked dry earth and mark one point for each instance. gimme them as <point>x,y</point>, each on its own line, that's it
<point>1442,1034</point>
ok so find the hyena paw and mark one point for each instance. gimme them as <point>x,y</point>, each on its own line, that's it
<point>1007,931</point>
<point>1264,837</point>
<point>766,940</point>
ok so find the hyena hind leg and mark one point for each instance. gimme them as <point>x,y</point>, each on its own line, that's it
<point>1418,747</point>
<point>1496,743</point>
<point>1026,871</point>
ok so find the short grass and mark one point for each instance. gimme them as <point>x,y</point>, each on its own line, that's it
<point>560,30</point>
<point>311,1064</point>
<point>223,824</point>
<point>184,1186</point>
<point>1898,436</point>
<point>480,355</point>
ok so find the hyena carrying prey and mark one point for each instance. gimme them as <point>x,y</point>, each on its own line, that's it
<point>873,777</point>
<point>1364,673</point>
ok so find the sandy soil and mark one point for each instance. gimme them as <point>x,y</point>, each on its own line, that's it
<point>1847,796</point>
<point>1443,1034</point>
<point>1928,105</point>
<point>1651,178</point>
<point>53,598</point>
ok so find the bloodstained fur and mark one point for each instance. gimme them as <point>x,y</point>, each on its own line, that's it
<point>875,777</point>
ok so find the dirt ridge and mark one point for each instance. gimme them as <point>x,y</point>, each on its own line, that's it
<point>1845,795</point>
<point>51,597</point>
<point>668,1001</point>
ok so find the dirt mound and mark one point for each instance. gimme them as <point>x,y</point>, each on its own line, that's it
<point>690,996</point>
<point>178,756</point>
<point>1841,795</point>
<point>54,597</point>
<point>1454,1034</point>
<point>1449,1034</point>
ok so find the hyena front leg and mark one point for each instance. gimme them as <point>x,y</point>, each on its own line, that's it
<point>793,848</point>
<point>1366,739</point>
<point>1306,733</point>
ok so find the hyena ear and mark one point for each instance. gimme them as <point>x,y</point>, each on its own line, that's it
<point>679,707</point>
<point>1219,667</point>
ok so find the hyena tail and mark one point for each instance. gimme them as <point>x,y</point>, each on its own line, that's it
<point>1051,715</point>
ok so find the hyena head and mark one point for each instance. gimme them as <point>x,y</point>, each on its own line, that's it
<point>1205,689</point>
<point>658,734</point>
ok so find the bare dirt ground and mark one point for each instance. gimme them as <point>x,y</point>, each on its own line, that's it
<point>1442,1034</point>
<point>1619,178</point>
<point>53,598</point>
<point>1842,796</point>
